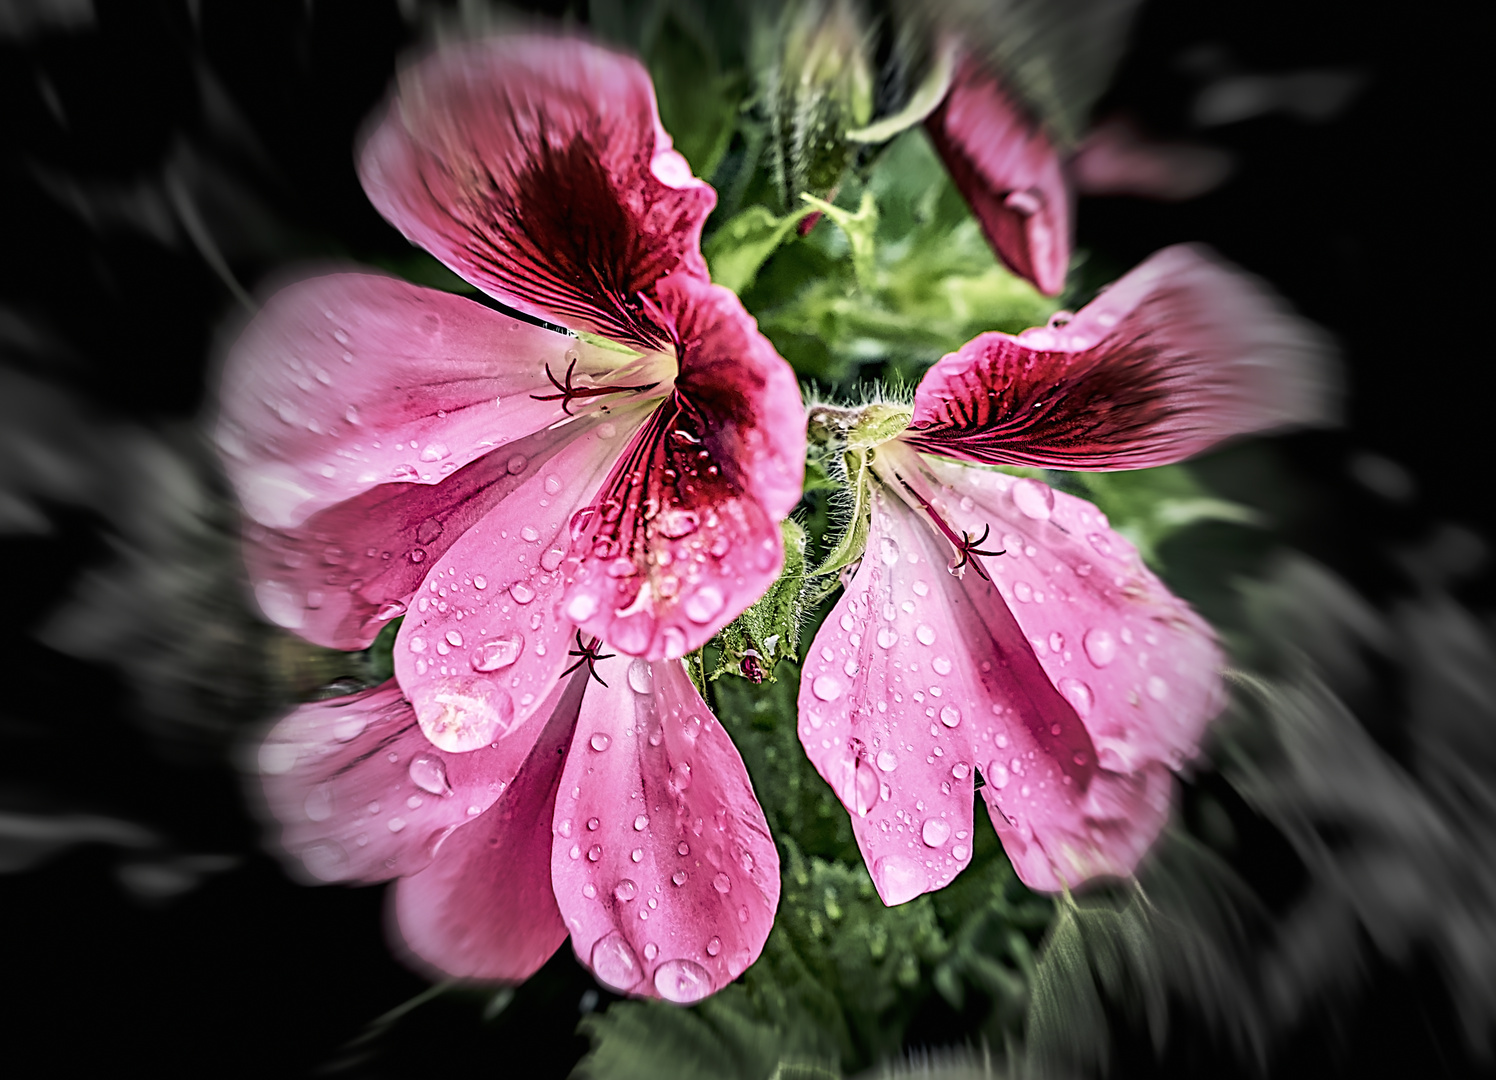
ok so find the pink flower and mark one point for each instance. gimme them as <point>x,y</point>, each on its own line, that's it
<point>558,520</point>
<point>1049,657</point>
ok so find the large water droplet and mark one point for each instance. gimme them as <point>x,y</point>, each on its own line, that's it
<point>347,728</point>
<point>599,742</point>
<point>1079,695</point>
<point>1158,690</point>
<point>434,451</point>
<point>614,963</point>
<point>680,776</point>
<point>941,665</point>
<point>950,716</point>
<point>1100,646</point>
<point>516,464</point>
<point>960,770</point>
<point>936,831</point>
<point>722,883</point>
<point>900,879</point>
<point>678,878</point>
<point>594,853</point>
<point>888,637</point>
<point>682,981</point>
<point>318,805</point>
<point>625,890</point>
<point>325,860</point>
<point>703,604</point>
<point>714,946</point>
<point>926,634</point>
<point>454,638</point>
<point>1033,499</point>
<point>997,775</point>
<point>496,653</point>
<point>641,822</point>
<point>429,773</point>
<point>826,687</point>
<point>641,676</point>
<point>888,551</point>
<point>389,610</point>
<point>887,761</point>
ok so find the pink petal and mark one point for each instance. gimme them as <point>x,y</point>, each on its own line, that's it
<point>536,167</point>
<point>484,908</point>
<point>348,570</point>
<point>1005,165</point>
<point>918,677</point>
<point>663,864</point>
<point>684,535</point>
<point>346,382</point>
<point>484,639</point>
<point>1179,354</point>
<point>360,792</point>
<point>1138,665</point>
<point>1117,159</point>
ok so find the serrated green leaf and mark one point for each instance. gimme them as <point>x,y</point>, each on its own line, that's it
<point>769,631</point>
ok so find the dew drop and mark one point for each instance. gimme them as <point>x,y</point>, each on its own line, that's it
<point>599,742</point>
<point>714,946</point>
<point>641,823</point>
<point>682,981</point>
<point>678,878</point>
<point>516,464</point>
<point>1033,499</point>
<point>704,604</point>
<point>926,634</point>
<point>950,716</point>
<point>1079,695</point>
<point>888,637</point>
<point>435,451</point>
<point>641,677</point>
<point>318,805</point>
<point>900,878</point>
<point>960,770</point>
<point>614,963</point>
<point>826,687</point>
<point>888,551</point>
<point>429,773</point>
<point>722,883</point>
<point>941,665</point>
<point>625,890</point>
<point>935,832</point>
<point>454,639</point>
<point>594,853</point>
<point>888,761</point>
<point>1100,646</point>
<point>497,653</point>
<point>1158,690</point>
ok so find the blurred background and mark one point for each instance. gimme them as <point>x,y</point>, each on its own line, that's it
<point>1328,904</point>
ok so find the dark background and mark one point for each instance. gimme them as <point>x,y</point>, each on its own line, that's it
<point>1367,219</point>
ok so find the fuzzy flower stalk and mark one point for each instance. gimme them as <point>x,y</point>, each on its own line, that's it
<point>995,625</point>
<point>558,519</point>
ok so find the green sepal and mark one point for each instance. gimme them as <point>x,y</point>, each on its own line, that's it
<point>769,631</point>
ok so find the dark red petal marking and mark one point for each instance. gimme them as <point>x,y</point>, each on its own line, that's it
<point>1178,355</point>
<point>1005,165</point>
<point>536,168</point>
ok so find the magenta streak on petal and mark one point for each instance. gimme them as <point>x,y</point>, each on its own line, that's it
<point>683,536</point>
<point>536,168</point>
<point>1005,165</point>
<point>484,640</point>
<point>484,908</point>
<point>351,381</point>
<point>361,794</point>
<point>662,861</point>
<point>1179,354</point>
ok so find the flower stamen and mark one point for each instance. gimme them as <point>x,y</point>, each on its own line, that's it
<point>965,544</point>
<point>589,656</point>
<point>568,391</point>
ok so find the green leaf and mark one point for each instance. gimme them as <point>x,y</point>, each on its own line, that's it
<point>860,229</point>
<point>737,249</point>
<point>699,104</point>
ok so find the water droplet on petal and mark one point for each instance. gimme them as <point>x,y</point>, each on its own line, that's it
<point>1033,499</point>
<point>888,637</point>
<point>997,775</point>
<point>680,776</point>
<point>434,451</point>
<point>1100,646</point>
<point>888,551</point>
<point>625,890</point>
<point>389,610</point>
<point>641,677</point>
<point>900,878</point>
<point>926,634</point>
<point>941,665</point>
<point>594,853</point>
<point>704,604</point>
<point>887,761</point>
<point>347,728</point>
<point>496,653</point>
<point>714,946</point>
<point>614,963</point>
<point>429,773</point>
<point>1100,542</point>
<point>1158,690</point>
<point>682,981</point>
<point>599,742</point>
<point>318,805</point>
<point>641,823</point>
<point>950,716</point>
<point>826,687</point>
<point>722,883</point>
<point>960,770</point>
<point>1079,695</point>
<point>679,877</point>
<point>516,464</point>
<point>454,638</point>
<point>935,832</point>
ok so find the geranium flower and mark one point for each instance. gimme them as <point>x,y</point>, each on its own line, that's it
<point>995,624</point>
<point>557,519</point>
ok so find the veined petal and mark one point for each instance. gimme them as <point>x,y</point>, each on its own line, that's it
<point>346,382</point>
<point>920,677</point>
<point>484,908</point>
<point>662,861</point>
<point>485,639</point>
<point>1006,166</point>
<point>1179,354</point>
<point>684,535</point>
<point>536,167</point>
<point>1135,662</point>
<point>362,795</point>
